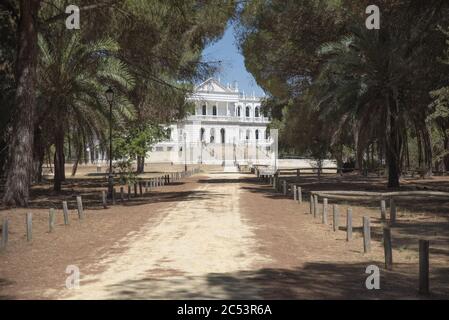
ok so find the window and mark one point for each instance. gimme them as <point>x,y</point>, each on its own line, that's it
<point>212,135</point>
<point>202,131</point>
<point>257,113</point>
<point>248,134</point>
<point>267,134</point>
<point>169,148</point>
<point>247,112</point>
<point>204,110</point>
<point>238,112</point>
<point>214,110</point>
<point>257,134</point>
<point>159,149</point>
<point>222,132</point>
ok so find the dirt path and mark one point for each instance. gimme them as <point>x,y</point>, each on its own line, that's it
<point>178,257</point>
<point>213,236</point>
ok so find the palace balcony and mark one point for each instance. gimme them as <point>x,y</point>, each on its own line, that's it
<point>220,118</point>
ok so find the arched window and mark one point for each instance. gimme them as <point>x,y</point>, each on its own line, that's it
<point>204,110</point>
<point>257,134</point>
<point>222,133</point>
<point>212,135</point>
<point>247,112</point>
<point>248,134</point>
<point>257,112</point>
<point>239,111</point>
<point>214,110</point>
<point>202,131</point>
<point>267,134</point>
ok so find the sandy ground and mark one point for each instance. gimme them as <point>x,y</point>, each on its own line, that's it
<point>175,258</point>
<point>217,236</point>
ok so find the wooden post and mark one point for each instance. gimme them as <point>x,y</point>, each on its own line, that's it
<point>122,196</point>
<point>315,207</point>
<point>295,194</point>
<point>129,192</point>
<point>335,217</point>
<point>392,210</point>
<point>299,190</point>
<point>311,204</point>
<point>29,226</point>
<point>65,211</point>
<point>103,196</point>
<point>349,225</point>
<point>51,220</point>
<point>424,287</point>
<point>324,216</point>
<point>388,250</point>
<point>5,227</point>
<point>79,203</point>
<point>366,235</point>
<point>140,188</point>
<point>383,210</point>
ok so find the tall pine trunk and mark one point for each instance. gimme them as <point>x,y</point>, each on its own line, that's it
<point>393,143</point>
<point>20,163</point>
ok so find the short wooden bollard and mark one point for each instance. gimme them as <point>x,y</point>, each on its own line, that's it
<point>5,227</point>
<point>388,249</point>
<point>51,220</point>
<point>392,210</point>
<point>311,204</point>
<point>122,196</point>
<point>324,216</point>
<point>65,211</point>
<point>315,207</point>
<point>79,203</point>
<point>366,235</point>
<point>424,286</point>
<point>295,193</point>
<point>29,226</point>
<point>336,217</point>
<point>299,191</point>
<point>103,197</point>
<point>349,224</point>
<point>383,210</point>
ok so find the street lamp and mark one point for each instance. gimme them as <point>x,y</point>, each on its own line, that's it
<point>110,97</point>
<point>185,152</point>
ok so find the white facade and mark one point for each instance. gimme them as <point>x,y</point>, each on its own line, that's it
<point>227,128</point>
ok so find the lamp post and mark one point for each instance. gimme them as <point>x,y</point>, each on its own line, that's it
<point>185,152</point>
<point>110,97</point>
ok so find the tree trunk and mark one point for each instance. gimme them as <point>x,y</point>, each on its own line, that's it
<point>59,161</point>
<point>79,151</point>
<point>393,144</point>
<point>20,162</point>
<point>140,164</point>
<point>446,156</point>
<point>38,155</point>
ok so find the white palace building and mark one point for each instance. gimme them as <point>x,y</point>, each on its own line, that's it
<point>227,128</point>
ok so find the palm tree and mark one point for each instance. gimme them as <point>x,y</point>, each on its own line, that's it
<point>72,78</point>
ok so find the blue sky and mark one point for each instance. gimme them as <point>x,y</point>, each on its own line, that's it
<point>233,65</point>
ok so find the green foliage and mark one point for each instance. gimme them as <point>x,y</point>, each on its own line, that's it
<point>135,141</point>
